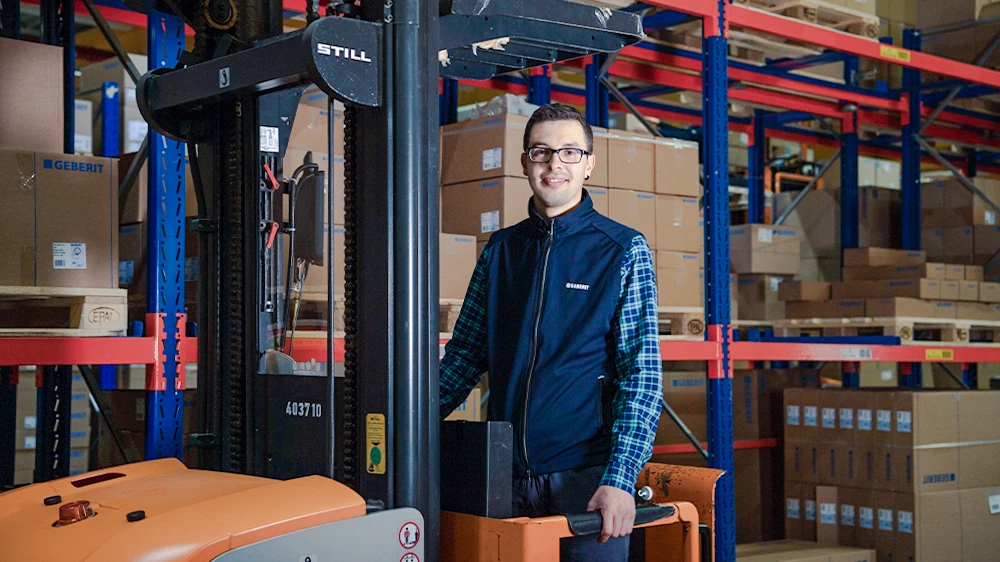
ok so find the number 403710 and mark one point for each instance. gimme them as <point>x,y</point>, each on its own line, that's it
<point>304,409</point>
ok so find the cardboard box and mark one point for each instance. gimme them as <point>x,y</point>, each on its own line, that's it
<point>810,513</point>
<point>684,391</point>
<point>974,273</point>
<point>885,525</point>
<point>868,273</point>
<point>310,132</point>
<point>131,125</point>
<point>978,521</point>
<point>804,291</point>
<point>898,307</point>
<point>631,159</point>
<point>977,311</point>
<point>968,291</point>
<point>637,210</point>
<point>771,385</point>
<point>677,279</point>
<point>912,288</point>
<point>482,148</point>
<point>865,536</point>
<point>882,257</point>
<point>32,83</point>
<point>601,199</point>
<point>794,513</point>
<point>961,207</point>
<point>954,272</point>
<point>480,208</point>
<point>932,241</point>
<point>599,175</point>
<point>989,292</point>
<point>758,297</point>
<point>60,220</point>
<point>746,416</point>
<point>958,245</point>
<point>757,248</point>
<point>805,309</point>
<point>457,256</point>
<point>83,127</point>
<point>678,223</point>
<point>827,521</point>
<point>977,468</point>
<point>134,208</point>
<point>677,168</point>
<point>986,243</point>
<point>847,523</point>
<point>949,290</point>
<point>879,211</point>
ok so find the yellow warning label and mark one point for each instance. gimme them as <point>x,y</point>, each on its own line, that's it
<point>894,53</point>
<point>375,437</point>
<point>939,354</point>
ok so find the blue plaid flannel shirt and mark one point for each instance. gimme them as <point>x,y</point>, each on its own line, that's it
<point>639,398</point>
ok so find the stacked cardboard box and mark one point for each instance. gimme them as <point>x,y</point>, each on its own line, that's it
<point>31,90</point>
<point>763,256</point>
<point>128,409</point>
<point>800,551</point>
<point>958,226</point>
<point>59,220</point>
<point>882,282</point>
<point>647,183</point>
<point>910,474</point>
<point>26,426</point>
<point>132,126</point>
<point>757,415</point>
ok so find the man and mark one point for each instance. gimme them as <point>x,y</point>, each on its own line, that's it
<point>562,312</point>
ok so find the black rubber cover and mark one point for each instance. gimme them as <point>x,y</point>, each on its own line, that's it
<point>590,523</point>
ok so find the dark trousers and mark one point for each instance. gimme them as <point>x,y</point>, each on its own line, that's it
<point>568,492</point>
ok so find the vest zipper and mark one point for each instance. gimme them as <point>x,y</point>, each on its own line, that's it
<point>534,347</point>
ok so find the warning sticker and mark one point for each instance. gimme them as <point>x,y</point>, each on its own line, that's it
<point>375,437</point>
<point>492,158</point>
<point>894,53</point>
<point>69,255</point>
<point>409,535</point>
<point>409,557</point>
<point>939,354</point>
<point>269,139</point>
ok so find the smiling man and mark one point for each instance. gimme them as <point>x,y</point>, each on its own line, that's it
<point>562,312</point>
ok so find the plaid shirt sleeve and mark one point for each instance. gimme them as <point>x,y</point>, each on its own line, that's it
<point>639,398</point>
<point>464,359</point>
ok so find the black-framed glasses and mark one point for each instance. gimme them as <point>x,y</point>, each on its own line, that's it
<point>541,155</point>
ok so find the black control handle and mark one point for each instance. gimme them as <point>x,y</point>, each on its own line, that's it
<point>591,522</point>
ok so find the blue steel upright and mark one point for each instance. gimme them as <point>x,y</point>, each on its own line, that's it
<point>910,186</point>
<point>756,161</point>
<point>596,93</point>
<point>165,262</point>
<point>448,101</point>
<point>110,108</point>
<point>540,85</point>
<point>849,181</point>
<point>715,109</point>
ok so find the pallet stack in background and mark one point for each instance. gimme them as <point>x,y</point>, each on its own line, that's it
<point>911,474</point>
<point>958,226</point>
<point>650,184</point>
<point>757,424</point>
<point>763,256</point>
<point>26,426</point>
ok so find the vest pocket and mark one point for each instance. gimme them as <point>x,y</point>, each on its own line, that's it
<point>607,394</point>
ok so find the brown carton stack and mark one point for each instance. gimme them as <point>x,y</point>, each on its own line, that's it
<point>762,257</point>
<point>959,226</point>
<point>899,465</point>
<point>678,223</point>
<point>32,83</point>
<point>131,125</point>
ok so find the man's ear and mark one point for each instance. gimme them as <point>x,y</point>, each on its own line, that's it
<point>524,163</point>
<point>591,162</point>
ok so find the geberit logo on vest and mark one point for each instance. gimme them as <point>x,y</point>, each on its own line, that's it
<point>70,166</point>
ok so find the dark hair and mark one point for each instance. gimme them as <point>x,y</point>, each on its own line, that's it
<point>559,112</point>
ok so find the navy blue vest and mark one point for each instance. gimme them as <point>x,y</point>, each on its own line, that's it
<point>552,292</point>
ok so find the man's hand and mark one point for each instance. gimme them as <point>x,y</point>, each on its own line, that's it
<point>617,509</point>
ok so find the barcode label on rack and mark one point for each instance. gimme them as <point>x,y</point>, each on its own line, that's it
<point>864,420</point>
<point>884,420</point>
<point>867,517</point>
<point>830,418</point>
<point>855,353</point>
<point>793,415</point>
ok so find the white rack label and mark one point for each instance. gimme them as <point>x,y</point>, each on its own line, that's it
<point>865,420</point>
<point>904,422</point>
<point>810,510</point>
<point>847,515</point>
<point>866,515</point>
<point>126,272</point>
<point>30,441</point>
<point>792,508</point>
<point>269,139</point>
<point>855,353</point>
<point>991,218</point>
<point>830,418</point>
<point>828,513</point>
<point>765,235</point>
<point>492,158</point>
<point>846,418</point>
<point>994,504</point>
<point>810,415</point>
<point>71,255</point>
<point>489,221</point>
<point>884,420</point>
<point>793,415</point>
<point>30,422</point>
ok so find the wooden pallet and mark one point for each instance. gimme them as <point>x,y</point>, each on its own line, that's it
<point>63,312</point>
<point>909,330</point>
<point>821,13</point>
<point>682,322</point>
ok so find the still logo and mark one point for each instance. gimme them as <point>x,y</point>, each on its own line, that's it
<point>342,52</point>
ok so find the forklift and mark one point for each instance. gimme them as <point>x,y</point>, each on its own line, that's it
<point>351,466</point>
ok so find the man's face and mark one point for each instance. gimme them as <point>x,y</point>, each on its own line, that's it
<point>557,185</point>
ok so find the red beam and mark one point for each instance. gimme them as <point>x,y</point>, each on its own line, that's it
<point>86,351</point>
<point>688,448</point>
